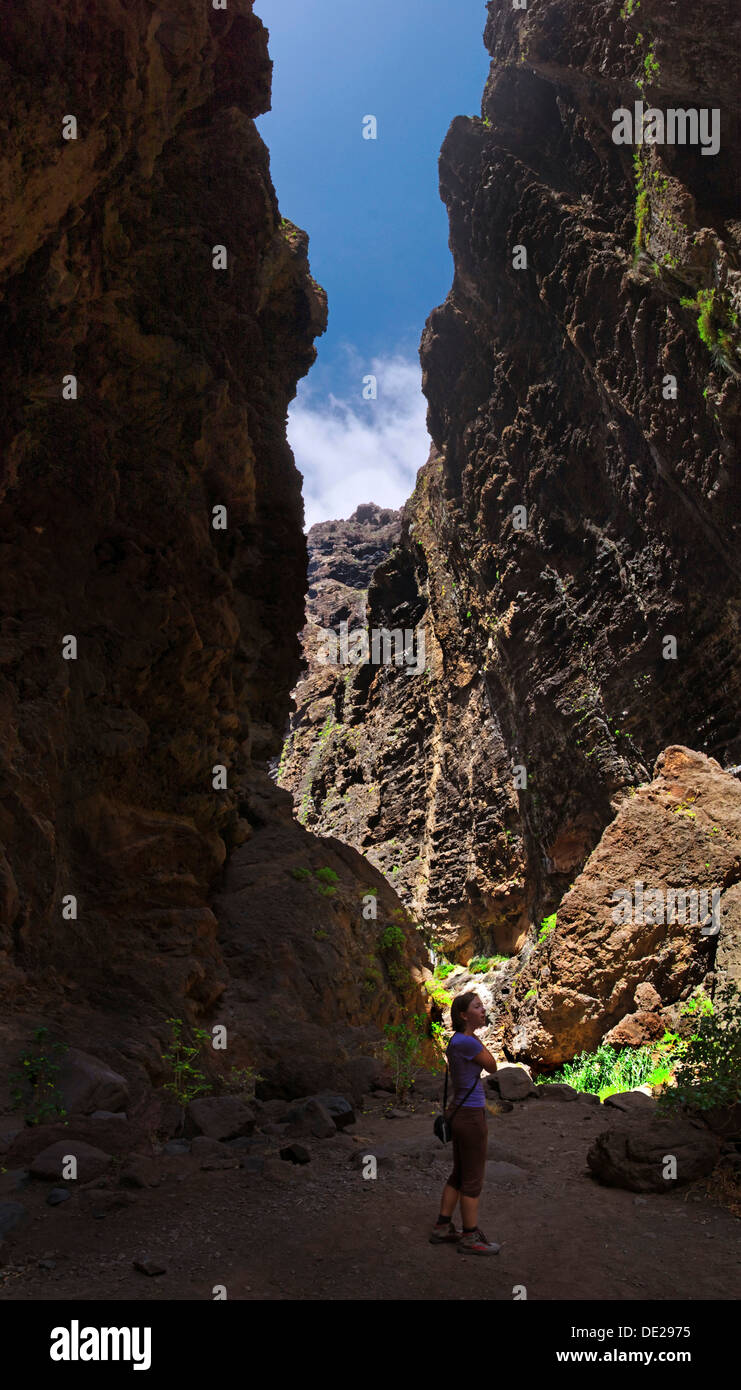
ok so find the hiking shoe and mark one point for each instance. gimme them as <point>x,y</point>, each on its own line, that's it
<point>444,1235</point>
<point>475,1243</point>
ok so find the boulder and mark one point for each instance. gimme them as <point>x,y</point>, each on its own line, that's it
<point>556,1090</point>
<point>629,930</point>
<point>91,1162</point>
<point>311,1117</point>
<point>221,1117</point>
<point>87,1084</point>
<point>339,1108</point>
<point>513,1083</point>
<point>629,1101</point>
<point>635,1156</point>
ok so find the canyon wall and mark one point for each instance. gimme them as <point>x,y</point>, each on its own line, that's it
<point>157,312</point>
<point>571,549</point>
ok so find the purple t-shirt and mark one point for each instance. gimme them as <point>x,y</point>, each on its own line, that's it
<point>462,1048</point>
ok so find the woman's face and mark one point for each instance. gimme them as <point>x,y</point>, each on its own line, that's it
<point>476,1013</point>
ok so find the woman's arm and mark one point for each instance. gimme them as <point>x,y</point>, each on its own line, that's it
<point>485,1059</point>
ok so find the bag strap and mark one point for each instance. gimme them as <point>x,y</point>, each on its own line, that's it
<point>445,1090</point>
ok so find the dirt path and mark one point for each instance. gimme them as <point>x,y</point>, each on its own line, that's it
<point>322,1231</point>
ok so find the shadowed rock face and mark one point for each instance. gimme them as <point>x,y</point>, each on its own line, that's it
<point>186,644</point>
<point>549,389</point>
<point>186,633</point>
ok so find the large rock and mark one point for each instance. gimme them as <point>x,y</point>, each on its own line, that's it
<point>636,1157</point>
<point>610,952</point>
<point>512,1083</point>
<point>221,1117</point>
<point>91,1162</point>
<point>87,1084</point>
<point>311,1118</point>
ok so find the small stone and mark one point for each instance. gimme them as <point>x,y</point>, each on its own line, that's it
<point>177,1146</point>
<point>58,1195</point>
<point>109,1115</point>
<point>150,1267</point>
<point>295,1153</point>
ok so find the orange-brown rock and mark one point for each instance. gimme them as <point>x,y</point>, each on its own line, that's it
<point>641,924</point>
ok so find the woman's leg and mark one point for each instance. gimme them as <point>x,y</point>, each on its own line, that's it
<point>474,1138</point>
<point>449,1200</point>
<point>451,1190</point>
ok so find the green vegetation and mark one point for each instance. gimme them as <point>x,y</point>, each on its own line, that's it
<point>530,994</point>
<point>186,1080</point>
<point>391,939</point>
<point>709,1073</point>
<point>642,207</point>
<point>403,1050</point>
<point>328,880</point>
<point>300,873</point>
<point>705,1069</point>
<point>717,325</point>
<point>547,926</point>
<point>612,1069</point>
<point>439,995</point>
<point>34,1086</point>
<point>650,65</point>
<point>478,965</point>
<point>443,969</point>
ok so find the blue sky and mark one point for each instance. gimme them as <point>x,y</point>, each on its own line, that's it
<point>378,231</point>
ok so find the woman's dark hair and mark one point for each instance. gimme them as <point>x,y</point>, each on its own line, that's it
<point>457,1010</point>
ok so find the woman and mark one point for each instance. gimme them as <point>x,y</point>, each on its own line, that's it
<point>466,1057</point>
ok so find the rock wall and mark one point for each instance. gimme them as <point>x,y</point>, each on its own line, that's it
<point>156,315</point>
<point>595,386</point>
<point>654,917</point>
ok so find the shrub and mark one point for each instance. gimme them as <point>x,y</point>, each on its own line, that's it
<point>611,1069</point>
<point>186,1080</point>
<point>709,1073</point>
<point>35,1084</point>
<point>391,939</point>
<point>403,1050</point>
<point>547,926</point>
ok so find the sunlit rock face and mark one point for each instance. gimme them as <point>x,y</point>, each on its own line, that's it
<point>572,546</point>
<point>157,313</point>
<point>654,917</point>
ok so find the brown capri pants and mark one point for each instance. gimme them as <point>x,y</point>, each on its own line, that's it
<point>470,1136</point>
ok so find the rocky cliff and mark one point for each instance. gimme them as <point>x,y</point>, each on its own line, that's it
<point>157,313</point>
<point>571,548</point>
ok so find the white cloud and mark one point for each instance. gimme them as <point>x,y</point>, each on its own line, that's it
<point>361,451</point>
